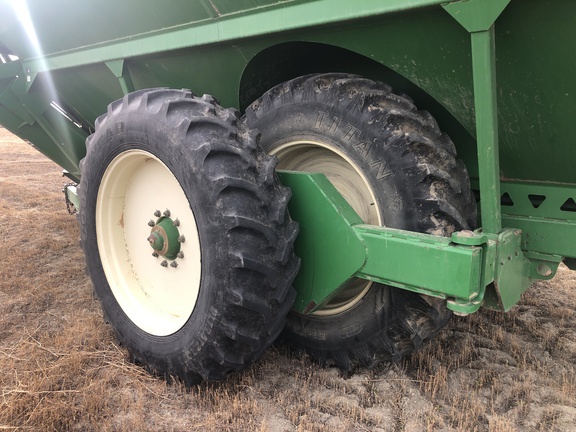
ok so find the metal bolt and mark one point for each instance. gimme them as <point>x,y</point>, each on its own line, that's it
<point>180,255</point>
<point>166,213</point>
<point>466,233</point>
<point>155,255</point>
<point>164,263</point>
<point>174,264</point>
<point>157,213</point>
<point>151,223</point>
<point>176,222</point>
<point>181,239</point>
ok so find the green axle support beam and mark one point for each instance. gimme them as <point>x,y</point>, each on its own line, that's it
<point>470,269</point>
<point>120,71</point>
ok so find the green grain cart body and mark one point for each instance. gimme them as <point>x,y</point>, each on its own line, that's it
<point>497,76</point>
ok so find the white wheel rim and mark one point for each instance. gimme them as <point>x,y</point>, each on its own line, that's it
<point>159,300</point>
<point>350,181</point>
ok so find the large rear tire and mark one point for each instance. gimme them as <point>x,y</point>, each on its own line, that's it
<point>396,169</point>
<point>183,175</point>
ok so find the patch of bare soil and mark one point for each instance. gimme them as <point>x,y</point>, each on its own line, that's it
<point>61,369</point>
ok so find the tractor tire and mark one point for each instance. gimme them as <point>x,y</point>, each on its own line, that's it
<point>182,174</point>
<point>396,169</point>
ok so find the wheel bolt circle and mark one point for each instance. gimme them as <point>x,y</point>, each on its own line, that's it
<point>165,238</point>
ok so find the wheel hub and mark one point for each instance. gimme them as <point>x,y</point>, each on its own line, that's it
<point>165,238</point>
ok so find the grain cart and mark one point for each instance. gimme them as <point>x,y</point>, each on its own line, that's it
<point>354,173</point>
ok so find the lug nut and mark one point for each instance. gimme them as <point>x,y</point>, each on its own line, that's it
<point>166,213</point>
<point>176,222</point>
<point>181,239</point>
<point>155,255</point>
<point>164,263</point>
<point>180,255</point>
<point>174,264</point>
<point>151,223</point>
<point>157,213</point>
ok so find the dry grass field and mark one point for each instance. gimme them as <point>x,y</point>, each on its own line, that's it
<point>61,369</point>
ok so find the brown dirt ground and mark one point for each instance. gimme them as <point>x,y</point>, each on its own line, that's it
<point>61,369</point>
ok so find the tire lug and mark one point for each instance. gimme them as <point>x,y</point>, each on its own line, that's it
<point>164,263</point>
<point>176,222</point>
<point>181,239</point>
<point>180,255</point>
<point>174,264</point>
<point>166,213</point>
<point>157,213</point>
<point>151,223</point>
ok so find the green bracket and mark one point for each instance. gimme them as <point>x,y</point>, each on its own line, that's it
<point>476,15</point>
<point>543,266</point>
<point>120,71</point>
<point>332,252</point>
<point>512,269</point>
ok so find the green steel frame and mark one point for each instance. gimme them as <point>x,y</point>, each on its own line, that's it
<point>528,221</point>
<point>470,269</point>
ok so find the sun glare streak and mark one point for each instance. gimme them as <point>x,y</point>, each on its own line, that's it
<point>22,12</point>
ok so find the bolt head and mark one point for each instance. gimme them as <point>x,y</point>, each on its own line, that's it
<point>466,233</point>
<point>157,213</point>
<point>174,264</point>
<point>176,222</point>
<point>180,255</point>
<point>155,254</point>
<point>164,263</point>
<point>151,223</point>
<point>166,213</point>
<point>181,239</point>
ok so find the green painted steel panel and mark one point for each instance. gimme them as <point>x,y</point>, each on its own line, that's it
<point>238,49</point>
<point>534,70</point>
